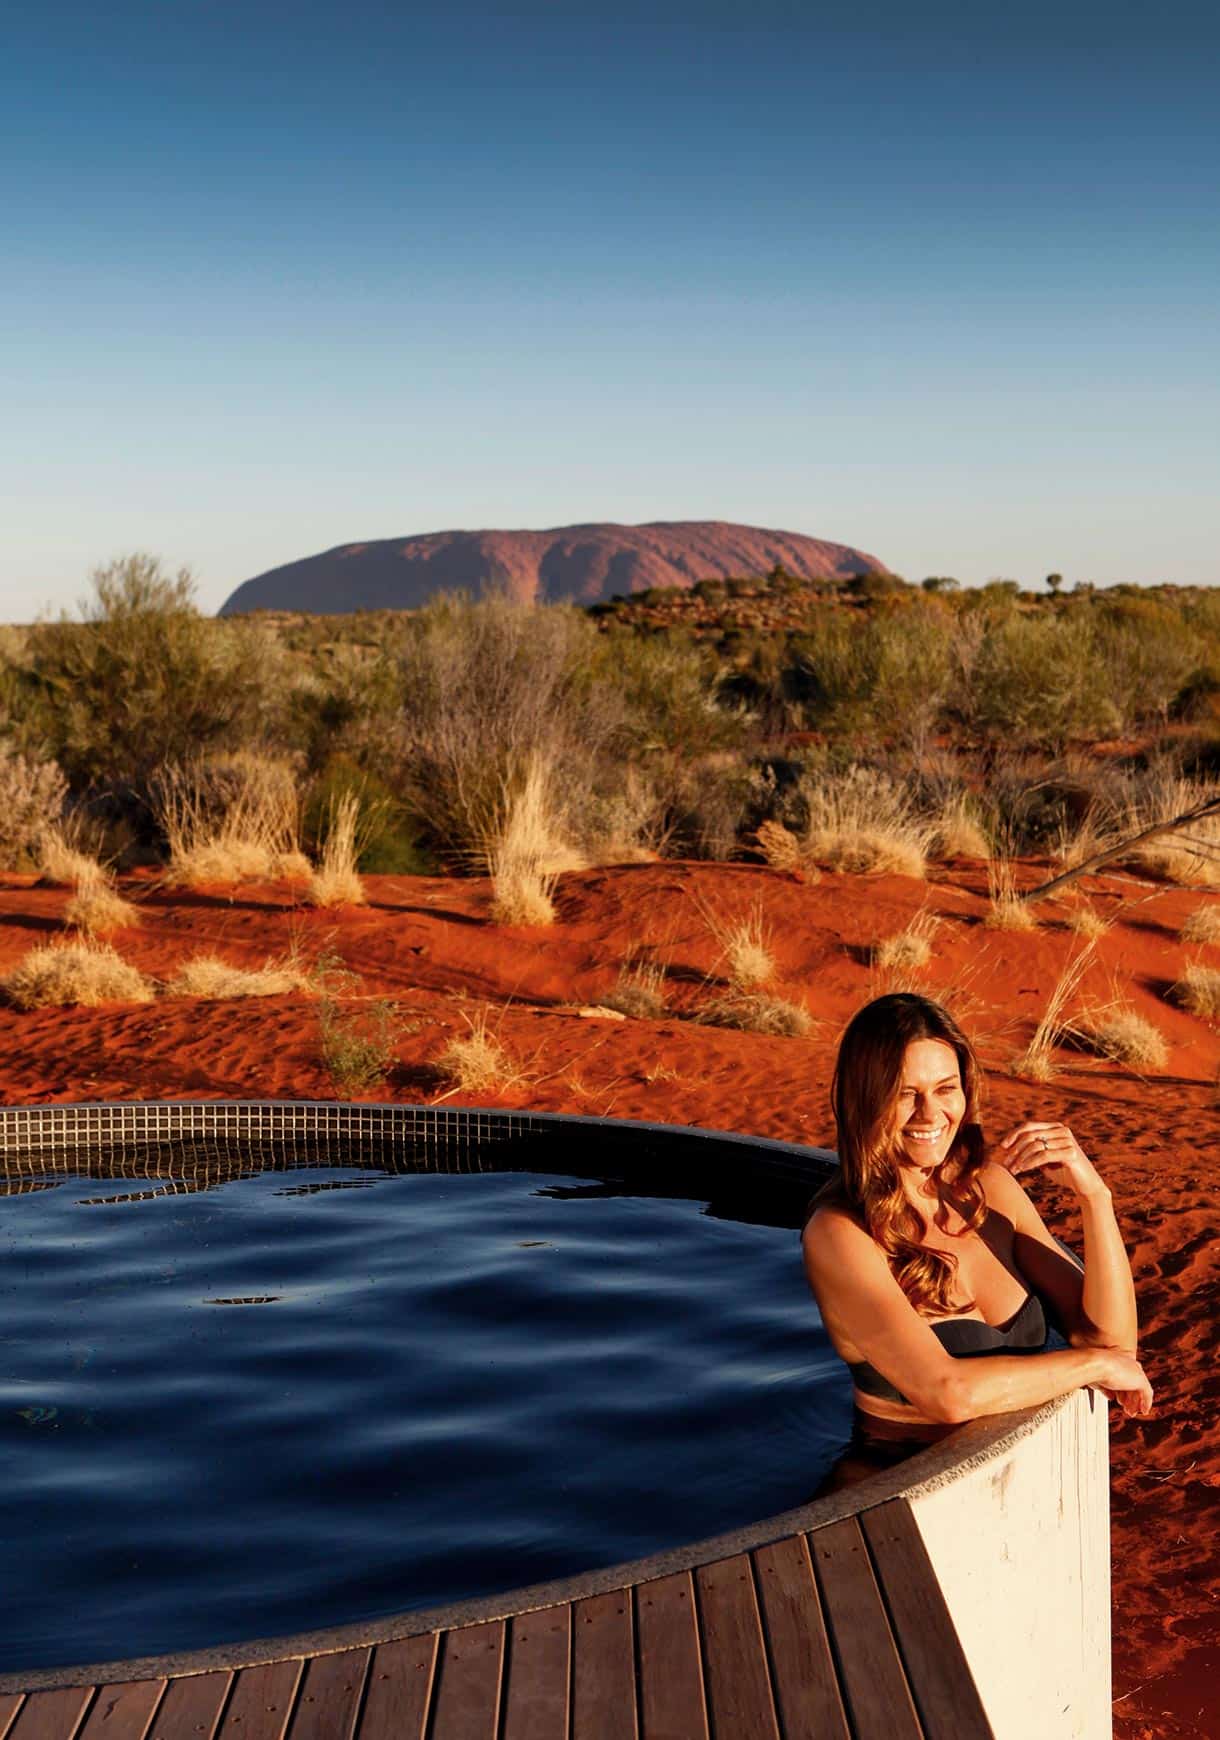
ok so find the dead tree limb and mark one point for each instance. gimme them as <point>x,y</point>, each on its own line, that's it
<point>1209,808</point>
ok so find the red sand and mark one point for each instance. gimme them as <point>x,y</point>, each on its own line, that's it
<point>428,944</point>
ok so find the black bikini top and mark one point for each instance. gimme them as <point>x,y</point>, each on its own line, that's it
<point>966,1338</point>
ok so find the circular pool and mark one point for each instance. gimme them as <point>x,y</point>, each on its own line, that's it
<point>273,1368</point>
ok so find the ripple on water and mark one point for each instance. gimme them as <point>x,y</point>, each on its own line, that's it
<point>272,1406</point>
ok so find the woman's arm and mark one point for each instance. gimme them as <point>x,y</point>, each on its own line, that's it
<point>1101,1313</point>
<point>865,1310</point>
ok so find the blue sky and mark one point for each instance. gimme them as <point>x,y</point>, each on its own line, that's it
<point>937,281</point>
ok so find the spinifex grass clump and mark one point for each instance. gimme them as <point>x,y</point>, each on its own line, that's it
<point>1086,921</point>
<point>1037,1060</point>
<point>745,947</point>
<point>908,948</point>
<point>336,880</point>
<point>1120,1033</point>
<point>476,1061</point>
<point>65,973</point>
<point>526,849</point>
<point>1198,990</point>
<point>957,831</point>
<point>757,1013</point>
<point>861,822</point>
<point>1202,926</point>
<point>1005,908</point>
<point>96,906</point>
<point>640,991</point>
<point>210,977</point>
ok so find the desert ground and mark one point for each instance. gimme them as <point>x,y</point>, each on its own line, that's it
<point>429,945</point>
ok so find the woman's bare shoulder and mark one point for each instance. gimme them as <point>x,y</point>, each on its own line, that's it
<point>832,1228</point>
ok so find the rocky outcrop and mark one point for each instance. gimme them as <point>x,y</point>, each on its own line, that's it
<point>581,563</point>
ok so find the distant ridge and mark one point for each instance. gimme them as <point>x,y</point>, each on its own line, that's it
<point>580,563</point>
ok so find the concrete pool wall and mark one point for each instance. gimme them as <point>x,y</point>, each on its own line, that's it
<point>1013,1511</point>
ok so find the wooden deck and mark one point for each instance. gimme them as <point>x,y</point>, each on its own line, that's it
<point>840,1633</point>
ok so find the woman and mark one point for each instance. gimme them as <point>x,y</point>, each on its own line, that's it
<point>924,1254</point>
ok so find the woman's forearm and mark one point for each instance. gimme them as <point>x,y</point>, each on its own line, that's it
<point>998,1383</point>
<point>1108,1301</point>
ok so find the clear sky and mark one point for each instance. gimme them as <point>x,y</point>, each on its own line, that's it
<point>937,280</point>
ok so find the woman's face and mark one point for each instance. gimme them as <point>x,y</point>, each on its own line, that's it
<point>930,1103</point>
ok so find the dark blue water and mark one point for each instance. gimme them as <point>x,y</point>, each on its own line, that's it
<point>311,1397</point>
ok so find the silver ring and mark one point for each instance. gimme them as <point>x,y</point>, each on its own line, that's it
<point>1045,1144</point>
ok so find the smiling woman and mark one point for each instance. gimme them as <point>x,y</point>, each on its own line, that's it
<point>924,1251</point>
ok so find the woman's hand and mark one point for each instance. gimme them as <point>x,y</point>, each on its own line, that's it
<point>1124,1381</point>
<point>1034,1147</point>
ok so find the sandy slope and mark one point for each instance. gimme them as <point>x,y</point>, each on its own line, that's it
<point>427,944</point>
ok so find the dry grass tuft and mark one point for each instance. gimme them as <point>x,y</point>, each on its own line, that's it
<point>336,880</point>
<point>231,818</point>
<point>1198,991</point>
<point>97,908</point>
<point>1192,857</point>
<point>908,948</point>
<point>1037,1060</point>
<point>86,973</point>
<point>1203,925</point>
<point>208,976</point>
<point>779,846</point>
<point>1005,908</point>
<point>526,851</point>
<point>640,992</point>
<point>1117,1032</point>
<point>1086,921</point>
<point>65,864</point>
<point>745,947</point>
<point>476,1062</point>
<point>757,1014</point>
<point>862,823</point>
<point>957,831</point>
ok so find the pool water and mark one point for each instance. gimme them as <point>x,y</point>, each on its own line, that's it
<point>305,1398</point>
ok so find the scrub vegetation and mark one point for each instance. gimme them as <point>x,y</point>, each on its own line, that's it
<point>864,727</point>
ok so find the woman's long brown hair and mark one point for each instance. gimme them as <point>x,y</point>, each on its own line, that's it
<point>864,1094</point>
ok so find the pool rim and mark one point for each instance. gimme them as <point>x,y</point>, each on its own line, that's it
<point>962,1449</point>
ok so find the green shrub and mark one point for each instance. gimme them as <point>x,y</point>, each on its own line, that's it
<point>391,846</point>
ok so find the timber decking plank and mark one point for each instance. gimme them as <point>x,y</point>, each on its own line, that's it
<point>51,1715</point>
<point>262,1702</point>
<point>870,1670</point>
<point>123,1712</point>
<point>330,1696</point>
<point>467,1704</point>
<point>734,1653</point>
<point>945,1693</point>
<point>803,1673</point>
<point>10,1703</point>
<point>603,1668</point>
<point>672,1701</point>
<point>539,1672</point>
<point>190,1709</point>
<point>400,1689</point>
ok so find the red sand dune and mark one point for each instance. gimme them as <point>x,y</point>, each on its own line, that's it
<point>428,944</point>
<point>583,563</point>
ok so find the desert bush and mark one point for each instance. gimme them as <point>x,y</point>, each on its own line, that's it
<point>217,980</point>
<point>143,679</point>
<point>756,1013</point>
<point>1197,989</point>
<point>228,818</point>
<point>476,1061</point>
<point>779,846</point>
<point>32,797</point>
<point>335,881</point>
<point>358,1040</point>
<point>76,972</point>
<point>1202,925</point>
<point>1038,679</point>
<point>882,675</point>
<point>388,841</point>
<point>486,687</point>
<point>639,992</point>
<point>863,821</point>
<point>1190,856</point>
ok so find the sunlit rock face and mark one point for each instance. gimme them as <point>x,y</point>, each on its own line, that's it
<point>581,563</point>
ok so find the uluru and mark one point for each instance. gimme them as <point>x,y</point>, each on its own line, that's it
<point>583,564</point>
